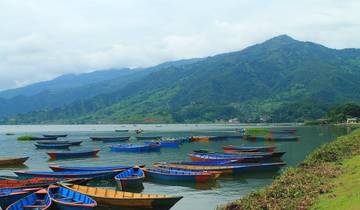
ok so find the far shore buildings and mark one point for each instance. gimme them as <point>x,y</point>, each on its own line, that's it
<point>352,120</point>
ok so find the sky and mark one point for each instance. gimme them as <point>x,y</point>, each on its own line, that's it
<point>42,39</point>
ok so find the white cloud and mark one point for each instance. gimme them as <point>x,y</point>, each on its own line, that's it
<point>41,39</point>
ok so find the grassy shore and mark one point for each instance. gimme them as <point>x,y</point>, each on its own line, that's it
<point>318,179</point>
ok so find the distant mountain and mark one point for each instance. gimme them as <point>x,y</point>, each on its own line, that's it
<point>65,82</point>
<point>280,80</point>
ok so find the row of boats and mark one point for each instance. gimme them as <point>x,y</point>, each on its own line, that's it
<point>64,187</point>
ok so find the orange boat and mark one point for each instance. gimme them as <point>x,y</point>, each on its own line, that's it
<point>200,138</point>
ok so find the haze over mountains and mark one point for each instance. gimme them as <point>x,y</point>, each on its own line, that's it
<point>280,80</point>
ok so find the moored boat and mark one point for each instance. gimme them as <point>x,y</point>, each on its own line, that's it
<point>73,143</point>
<point>180,175</point>
<point>200,138</point>
<point>89,168</point>
<point>79,154</point>
<point>131,178</point>
<point>249,148</point>
<point>121,130</point>
<point>10,196</point>
<point>216,157</point>
<point>148,137</point>
<point>135,148</point>
<point>55,135</point>
<point>110,138</point>
<point>68,199</point>
<point>121,199</point>
<point>166,143</point>
<point>68,174</point>
<point>52,146</point>
<point>271,138</point>
<point>43,138</point>
<point>224,169</point>
<point>121,139</point>
<point>27,183</point>
<point>38,200</point>
<point>11,161</point>
<point>265,154</point>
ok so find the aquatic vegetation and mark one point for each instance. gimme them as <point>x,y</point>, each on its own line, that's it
<point>24,138</point>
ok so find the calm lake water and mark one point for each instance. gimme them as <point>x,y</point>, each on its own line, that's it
<point>198,197</point>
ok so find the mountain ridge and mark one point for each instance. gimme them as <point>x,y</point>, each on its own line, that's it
<point>256,83</point>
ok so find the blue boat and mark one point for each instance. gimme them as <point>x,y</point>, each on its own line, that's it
<point>165,143</point>
<point>224,169</point>
<point>39,200</point>
<point>135,148</point>
<point>68,174</point>
<point>73,143</point>
<point>204,163</point>
<point>110,138</point>
<point>10,196</point>
<point>130,179</point>
<point>180,175</point>
<point>52,146</point>
<point>67,199</point>
<point>89,168</point>
<point>67,155</point>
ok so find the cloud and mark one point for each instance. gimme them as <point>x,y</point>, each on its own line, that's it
<point>42,39</point>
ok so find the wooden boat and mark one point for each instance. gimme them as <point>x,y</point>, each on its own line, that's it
<point>180,175</point>
<point>68,174</point>
<point>200,138</point>
<point>225,169</point>
<point>125,138</point>
<point>265,154</point>
<point>121,130</point>
<point>55,135</point>
<point>135,148</point>
<point>165,143</point>
<point>130,178</point>
<point>271,138</point>
<point>38,200</point>
<point>66,155</point>
<point>73,143</point>
<point>110,138</point>
<point>42,138</point>
<point>10,196</point>
<point>283,131</point>
<point>68,199</point>
<point>27,183</point>
<point>10,134</point>
<point>13,161</point>
<point>52,146</point>
<point>218,138</point>
<point>90,168</point>
<point>121,199</point>
<point>148,137</point>
<point>201,163</point>
<point>215,157</point>
<point>249,148</point>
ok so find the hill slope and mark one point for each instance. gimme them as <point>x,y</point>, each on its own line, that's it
<point>279,80</point>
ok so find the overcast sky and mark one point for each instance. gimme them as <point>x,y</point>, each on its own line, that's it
<point>42,39</point>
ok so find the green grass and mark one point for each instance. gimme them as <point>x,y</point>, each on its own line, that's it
<point>323,172</point>
<point>346,193</point>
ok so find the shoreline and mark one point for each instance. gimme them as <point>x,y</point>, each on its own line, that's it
<point>301,187</point>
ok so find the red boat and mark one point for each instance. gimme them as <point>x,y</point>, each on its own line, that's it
<point>26,183</point>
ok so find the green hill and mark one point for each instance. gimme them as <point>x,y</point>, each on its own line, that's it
<point>280,80</point>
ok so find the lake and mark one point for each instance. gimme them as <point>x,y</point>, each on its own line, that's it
<point>198,197</point>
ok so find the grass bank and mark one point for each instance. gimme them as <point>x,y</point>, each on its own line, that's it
<point>312,183</point>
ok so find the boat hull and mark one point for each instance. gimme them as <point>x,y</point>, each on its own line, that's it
<point>10,196</point>
<point>52,146</point>
<point>67,199</point>
<point>67,155</point>
<point>68,175</point>
<point>120,199</point>
<point>13,161</point>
